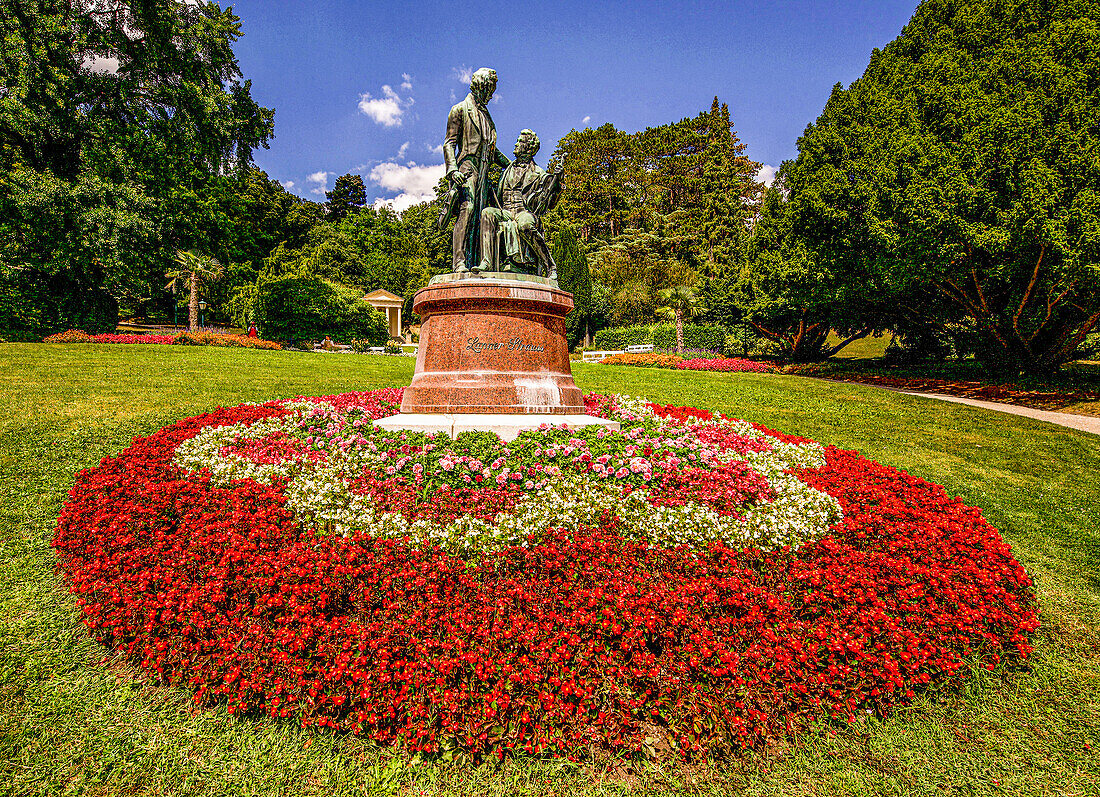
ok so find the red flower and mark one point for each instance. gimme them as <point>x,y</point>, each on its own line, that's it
<point>578,638</point>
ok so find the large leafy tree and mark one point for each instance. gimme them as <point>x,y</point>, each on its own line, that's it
<point>964,167</point>
<point>115,120</point>
<point>794,295</point>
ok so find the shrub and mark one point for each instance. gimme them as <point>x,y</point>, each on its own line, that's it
<point>696,336</point>
<point>77,336</point>
<point>296,308</point>
<point>69,336</point>
<point>34,301</point>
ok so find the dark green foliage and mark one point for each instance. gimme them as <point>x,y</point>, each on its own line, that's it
<point>696,336</point>
<point>374,248</point>
<point>620,337</point>
<point>41,304</point>
<point>657,208</point>
<point>692,171</point>
<point>960,175</point>
<point>348,196</point>
<point>662,336</point>
<point>105,172</point>
<point>574,278</point>
<point>719,297</point>
<point>299,308</point>
<point>793,295</point>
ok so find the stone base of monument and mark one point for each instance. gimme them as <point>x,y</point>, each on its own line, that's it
<point>505,426</point>
<point>492,346</point>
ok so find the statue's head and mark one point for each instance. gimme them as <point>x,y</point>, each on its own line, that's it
<point>527,144</point>
<point>482,84</point>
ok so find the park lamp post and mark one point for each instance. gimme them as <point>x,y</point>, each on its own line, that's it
<point>202,309</point>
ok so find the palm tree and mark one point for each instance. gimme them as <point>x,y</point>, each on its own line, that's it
<point>675,304</point>
<point>194,270</point>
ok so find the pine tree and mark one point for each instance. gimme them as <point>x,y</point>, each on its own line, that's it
<point>347,196</point>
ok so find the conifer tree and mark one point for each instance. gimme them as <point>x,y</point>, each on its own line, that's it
<point>348,195</point>
<point>574,277</point>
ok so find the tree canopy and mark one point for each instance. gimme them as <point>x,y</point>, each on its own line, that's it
<point>115,120</point>
<point>961,174</point>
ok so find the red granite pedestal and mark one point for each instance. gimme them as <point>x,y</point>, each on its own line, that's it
<point>493,355</point>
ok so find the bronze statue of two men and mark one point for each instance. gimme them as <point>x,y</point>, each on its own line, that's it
<point>495,229</point>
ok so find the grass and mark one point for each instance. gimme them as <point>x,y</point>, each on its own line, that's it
<point>77,720</point>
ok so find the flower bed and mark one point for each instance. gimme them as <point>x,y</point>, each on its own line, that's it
<point>76,336</point>
<point>700,580</point>
<point>729,364</point>
<point>663,360</point>
<point>179,339</point>
<point>643,360</point>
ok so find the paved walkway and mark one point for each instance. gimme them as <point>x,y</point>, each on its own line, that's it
<point>1084,423</point>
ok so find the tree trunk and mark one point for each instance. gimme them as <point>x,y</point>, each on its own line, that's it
<point>679,331</point>
<point>193,305</point>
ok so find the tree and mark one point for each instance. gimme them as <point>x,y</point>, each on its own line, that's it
<point>680,301</point>
<point>793,295</point>
<point>692,174</point>
<point>962,166</point>
<point>575,278</point>
<point>348,196</point>
<point>116,119</point>
<point>195,271</point>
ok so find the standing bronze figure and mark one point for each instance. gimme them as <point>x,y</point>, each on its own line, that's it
<point>469,149</point>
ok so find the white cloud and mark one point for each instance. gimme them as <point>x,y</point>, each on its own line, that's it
<point>413,183</point>
<point>436,150</point>
<point>101,64</point>
<point>321,180</point>
<point>463,74</point>
<point>406,82</point>
<point>766,175</point>
<point>401,202</point>
<point>287,184</point>
<point>386,110</point>
<point>402,150</point>
<point>586,120</point>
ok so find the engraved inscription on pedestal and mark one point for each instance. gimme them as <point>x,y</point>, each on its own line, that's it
<point>477,346</point>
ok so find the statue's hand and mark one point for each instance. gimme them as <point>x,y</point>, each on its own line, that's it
<point>457,178</point>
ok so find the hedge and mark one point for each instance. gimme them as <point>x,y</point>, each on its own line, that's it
<point>663,336</point>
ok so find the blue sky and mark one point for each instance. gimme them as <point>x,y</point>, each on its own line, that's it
<point>364,87</point>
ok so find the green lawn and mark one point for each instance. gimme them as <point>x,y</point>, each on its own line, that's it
<point>75,720</point>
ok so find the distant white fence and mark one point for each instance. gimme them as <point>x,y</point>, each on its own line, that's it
<point>596,356</point>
